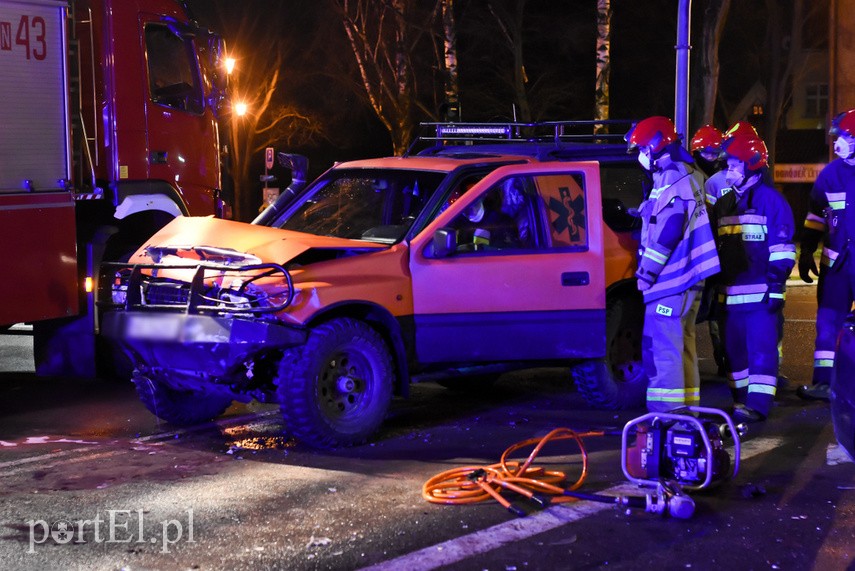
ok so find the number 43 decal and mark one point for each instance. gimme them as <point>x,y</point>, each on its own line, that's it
<point>30,34</point>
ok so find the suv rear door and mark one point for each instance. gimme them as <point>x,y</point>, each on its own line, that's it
<point>541,301</point>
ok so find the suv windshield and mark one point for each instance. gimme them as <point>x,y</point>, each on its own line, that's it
<point>363,204</point>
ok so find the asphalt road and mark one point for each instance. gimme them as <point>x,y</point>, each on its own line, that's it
<point>91,480</point>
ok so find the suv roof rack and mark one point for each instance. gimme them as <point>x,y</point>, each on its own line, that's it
<point>545,132</point>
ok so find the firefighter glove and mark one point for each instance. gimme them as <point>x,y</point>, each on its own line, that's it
<point>807,265</point>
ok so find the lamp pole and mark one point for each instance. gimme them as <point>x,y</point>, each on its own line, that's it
<point>681,90</point>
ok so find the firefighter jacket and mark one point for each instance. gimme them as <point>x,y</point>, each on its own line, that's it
<point>715,187</point>
<point>830,215</point>
<point>755,246</point>
<point>677,245</point>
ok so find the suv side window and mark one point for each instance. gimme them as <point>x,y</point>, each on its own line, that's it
<point>172,74</point>
<point>564,198</point>
<point>502,218</point>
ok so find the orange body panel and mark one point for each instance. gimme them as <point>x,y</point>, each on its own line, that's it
<point>379,278</point>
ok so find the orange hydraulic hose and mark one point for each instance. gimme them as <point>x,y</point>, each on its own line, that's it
<point>471,484</point>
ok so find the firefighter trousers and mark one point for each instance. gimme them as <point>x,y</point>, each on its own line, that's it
<point>834,295</point>
<point>669,351</point>
<point>751,342</point>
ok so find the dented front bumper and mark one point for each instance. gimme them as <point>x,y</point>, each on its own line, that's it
<point>214,346</point>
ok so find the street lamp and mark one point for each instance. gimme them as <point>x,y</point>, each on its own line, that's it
<point>240,108</point>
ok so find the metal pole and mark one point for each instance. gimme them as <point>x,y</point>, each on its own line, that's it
<point>681,91</point>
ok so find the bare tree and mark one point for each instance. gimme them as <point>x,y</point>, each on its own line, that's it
<point>273,117</point>
<point>715,16</point>
<point>452,84</point>
<point>389,39</point>
<point>783,57</point>
<point>267,122</point>
<point>510,21</point>
<point>601,86</point>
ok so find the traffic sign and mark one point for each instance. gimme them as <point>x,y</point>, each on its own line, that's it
<point>268,157</point>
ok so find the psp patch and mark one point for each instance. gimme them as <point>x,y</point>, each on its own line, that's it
<point>664,310</point>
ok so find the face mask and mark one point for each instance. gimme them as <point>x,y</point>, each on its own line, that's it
<point>734,178</point>
<point>843,148</point>
<point>644,160</point>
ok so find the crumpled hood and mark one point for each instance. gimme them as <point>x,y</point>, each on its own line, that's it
<point>224,241</point>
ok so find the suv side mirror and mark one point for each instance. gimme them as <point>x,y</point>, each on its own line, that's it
<point>444,242</point>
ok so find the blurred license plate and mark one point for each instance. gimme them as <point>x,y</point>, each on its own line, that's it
<point>153,326</point>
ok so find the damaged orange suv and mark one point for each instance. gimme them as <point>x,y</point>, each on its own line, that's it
<point>497,247</point>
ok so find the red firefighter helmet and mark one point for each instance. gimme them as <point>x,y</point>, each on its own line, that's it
<point>843,124</point>
<point>742,129</point>
<point>654,132</point>
<point>751,151</point>
<point>708,139</point>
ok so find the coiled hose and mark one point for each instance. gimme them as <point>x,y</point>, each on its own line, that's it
<point>472,484</point>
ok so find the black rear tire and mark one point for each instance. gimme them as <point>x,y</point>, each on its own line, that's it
<point>618,381</point>
<point>179,407</point>
<point>336,389</point>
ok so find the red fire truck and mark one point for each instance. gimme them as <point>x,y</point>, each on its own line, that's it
<point>108,130</point>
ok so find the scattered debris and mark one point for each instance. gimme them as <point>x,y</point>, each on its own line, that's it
<point>836,454</point>
<point>318,541</point>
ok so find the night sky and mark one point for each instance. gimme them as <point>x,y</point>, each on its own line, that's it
<point>319,73</point>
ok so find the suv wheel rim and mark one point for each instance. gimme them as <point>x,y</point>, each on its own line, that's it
<point>342,385</point>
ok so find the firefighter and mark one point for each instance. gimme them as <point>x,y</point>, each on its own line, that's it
<point>482,224</point>
<point>747,130</point>
<point>705,147</point>
<point>830,218</point>
<point>677,252</point>
<point>706,150</point>
<point>755,244</point>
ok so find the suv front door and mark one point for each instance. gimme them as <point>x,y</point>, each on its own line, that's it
<point>542,300</point>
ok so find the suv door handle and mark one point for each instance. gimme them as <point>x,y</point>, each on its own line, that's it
<point>575,279</point>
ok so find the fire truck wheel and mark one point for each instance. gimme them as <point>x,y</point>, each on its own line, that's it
<point>619,381</point>
<point>336,389</point>
<point>179,407</point>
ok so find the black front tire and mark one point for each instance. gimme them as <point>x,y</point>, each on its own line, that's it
<point>617,382</point>
<point>336,389</point>
<point>179,407</point>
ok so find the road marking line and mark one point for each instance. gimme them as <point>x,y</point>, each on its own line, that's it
<point>74,460</point>
<point>460,548</point>
<point>31,459</point>
<point>456,550</point>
